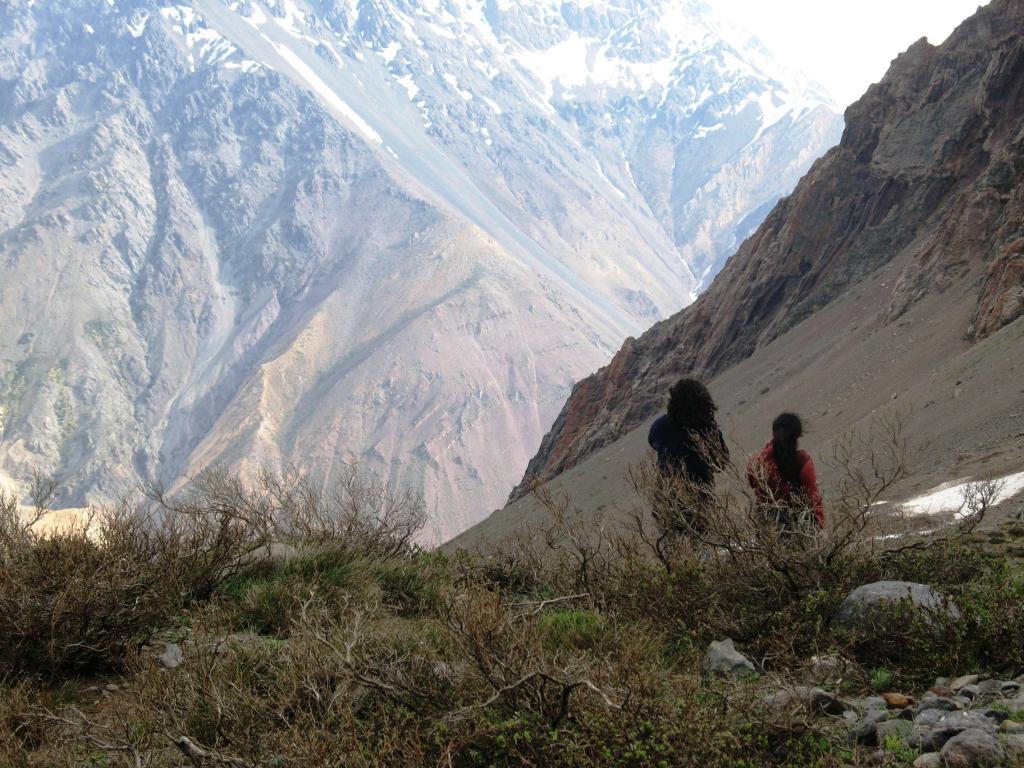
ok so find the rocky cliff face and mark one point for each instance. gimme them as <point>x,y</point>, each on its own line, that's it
<point>931,165</point>
<point>383,232</point>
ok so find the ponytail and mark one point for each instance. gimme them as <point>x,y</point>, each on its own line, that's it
<point>786,431</point>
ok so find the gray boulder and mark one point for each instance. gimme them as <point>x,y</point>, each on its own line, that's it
<point>963,681</point>
<point>866,731</point>
<point>972,692</point>
<point>722,658</point>
<point>990,687</point>
<point>937,702</point>
<point>995,715</point>
<point>865,605</point>
<point>828,668</point>
<point>172,657</point>
<point>971,748</point>
<point>869,703</point>
<point>932,728</point>
<point>822,702</point>
<point>928,760</point>
<point>894,729</point>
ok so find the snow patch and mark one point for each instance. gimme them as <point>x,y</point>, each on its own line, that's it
<point>291,19</point>
<point>704,130</point>
<point>454,83</point>
<point>389,53</point>
<point>493,105</point>
<point>410,86</point>
<point>324,91</point>
<point>246,65</point>
<point>137,29</point>
<point>949,497</point>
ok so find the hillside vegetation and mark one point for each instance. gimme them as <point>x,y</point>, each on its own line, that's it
<point>285,625</point>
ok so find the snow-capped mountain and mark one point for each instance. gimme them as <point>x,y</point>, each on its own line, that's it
<point>379,231</point>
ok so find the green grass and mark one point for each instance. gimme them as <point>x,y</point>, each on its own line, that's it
<point>881,679</point>
<point>577,629</point>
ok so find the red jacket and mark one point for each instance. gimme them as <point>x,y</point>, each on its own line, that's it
<point>764,477</point>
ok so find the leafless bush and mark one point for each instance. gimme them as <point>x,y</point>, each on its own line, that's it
<point>978,497</point>
<point>86,595</point>
<point>378,518</point>
<point>509,660</point>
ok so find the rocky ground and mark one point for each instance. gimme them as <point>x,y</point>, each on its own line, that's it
<point>969,720</point>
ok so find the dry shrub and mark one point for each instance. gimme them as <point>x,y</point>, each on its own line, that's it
<point>578,643</point>
<point>759,570</point>
<point>84,597</point>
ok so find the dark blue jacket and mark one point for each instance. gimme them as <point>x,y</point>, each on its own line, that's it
<point>678,451</point>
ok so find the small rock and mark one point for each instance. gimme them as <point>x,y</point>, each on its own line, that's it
<point>963,701</point>
<point>172,657</point>
<point>934,727</point>
<point>935,702</point>
<point>995,715</point>
<point>868,703</point>
<point>900,729</point>
<point>963,680</point>
<point>897,700</point>
<point>783,703</point>
<point>1010,689</point>
<point>928,760</point>
<point>112,687</point>
<point>823,702</point>
<point>866,731</point>
<point>1011,726</point>
<point>722,658</point>
<point>942,691</point>
<point>986,687</point>
<point>943,681</point>
<point>972,748</point>
<point>828,668</point>
<point>972,692</point>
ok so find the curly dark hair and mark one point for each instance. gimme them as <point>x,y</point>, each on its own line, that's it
<point>786,431</point>
<point>691,407</point>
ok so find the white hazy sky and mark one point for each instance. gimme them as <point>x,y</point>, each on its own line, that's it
<point>845,45</point>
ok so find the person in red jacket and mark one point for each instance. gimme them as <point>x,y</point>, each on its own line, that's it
<point>783,476</point>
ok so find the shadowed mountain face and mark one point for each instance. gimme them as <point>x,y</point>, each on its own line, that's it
<point>929,176</point>
<point>384,232</point>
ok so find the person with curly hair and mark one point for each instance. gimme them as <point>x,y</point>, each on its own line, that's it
<point>784,479</point>
<point>690,450</point>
